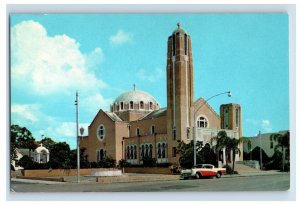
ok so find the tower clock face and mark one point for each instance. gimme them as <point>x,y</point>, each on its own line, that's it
<point>101,132</point>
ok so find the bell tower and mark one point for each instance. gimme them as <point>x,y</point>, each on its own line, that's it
<point>180,86</point>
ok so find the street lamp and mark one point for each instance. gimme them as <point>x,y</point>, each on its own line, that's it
<point>260,153</point>
<point>77,137</point>
<point>229,94</point>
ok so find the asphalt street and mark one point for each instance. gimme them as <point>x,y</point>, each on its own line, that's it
<point>278,182</point>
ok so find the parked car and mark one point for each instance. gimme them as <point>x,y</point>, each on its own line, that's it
<point>202,170</point>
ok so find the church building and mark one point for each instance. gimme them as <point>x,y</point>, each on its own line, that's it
<point>136,126</point>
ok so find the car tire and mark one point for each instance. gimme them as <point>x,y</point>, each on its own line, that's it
<point>218,175</point>
<point>198,175</point>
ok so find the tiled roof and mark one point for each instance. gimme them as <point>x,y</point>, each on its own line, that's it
<point>156,113</point>
<point>113,116</point>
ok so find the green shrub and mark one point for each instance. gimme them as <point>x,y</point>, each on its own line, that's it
<point>27,163</point>
<point>93,165</point>
<point>149,162</point>
<point>229,170</point>
<point>123,163</point>
<point>107,162</point>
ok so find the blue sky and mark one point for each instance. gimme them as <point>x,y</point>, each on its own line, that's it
<point>102,56</point>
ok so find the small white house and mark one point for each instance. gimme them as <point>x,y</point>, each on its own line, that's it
<point>40,155</point>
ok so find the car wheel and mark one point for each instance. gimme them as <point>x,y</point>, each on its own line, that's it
<point>198,175</point>
<point>218,175</point>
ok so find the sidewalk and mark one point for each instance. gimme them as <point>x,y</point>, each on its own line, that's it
<point>258,173</point>
<point>34,181</point>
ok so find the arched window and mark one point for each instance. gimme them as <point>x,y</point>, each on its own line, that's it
<point>173,45</point>
<point>174,133</point>
<point>121,105</point>
<point>150,150</point>
<point>101,154</point>
<point>141,105</point>
<point>131,152</point>
<point>143,151</point>
<point>202,122</point>
<point>131,105</point>
<point>185,44</point>
<point>128,152</point>
<point>150,105</point>
<point>101,132</point>
<point>152,129</point>
<point>158,151</point>
<point>163,151</point>
<point>147,151</point>
<point>134,153</point>
<point>137,131</point>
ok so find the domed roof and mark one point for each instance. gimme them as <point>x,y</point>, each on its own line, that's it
<point>135,96</point>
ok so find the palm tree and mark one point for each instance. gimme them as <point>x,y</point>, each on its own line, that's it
<point>233,144</point>
<point>283,140</point>
<point>221,142</point>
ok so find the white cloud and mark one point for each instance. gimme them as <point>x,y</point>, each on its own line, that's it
<point>150,76</point>
<point>121,37</point>
<point>95,102</point>
<point>50,64</point>
<point>266,125</point>
<point>94,58</point>
<point>68,129</point>
<point>25,112</point>
<point>65,132</point>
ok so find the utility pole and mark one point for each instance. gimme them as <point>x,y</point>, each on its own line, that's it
<point>260,152</point>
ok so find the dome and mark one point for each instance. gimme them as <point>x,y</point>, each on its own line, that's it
<point>179,29</point>
<point>135,96</point>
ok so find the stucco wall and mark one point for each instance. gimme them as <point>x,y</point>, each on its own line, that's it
<point>145,126</point>
<point>148,170</point>
<point>108,142</point>
<point>58,172</point>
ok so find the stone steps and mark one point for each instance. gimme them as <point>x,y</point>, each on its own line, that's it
<point>243,169</point>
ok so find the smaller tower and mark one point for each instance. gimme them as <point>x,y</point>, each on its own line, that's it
<point>231,119</point>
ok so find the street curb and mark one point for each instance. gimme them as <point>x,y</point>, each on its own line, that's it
<point>256,174</point>
<point>35,181</point>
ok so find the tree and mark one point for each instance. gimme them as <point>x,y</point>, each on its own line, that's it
<point>13,146</point>
<point>60,156</point>
<point>84,163</point>
<point>26,162</point>
<point>186,152</point>
<point>221,141</point>
<point>283,140</point>
<point>207,155</point>
<point>20,137</point>
<point>233,145</point>
<point>48,142</point>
